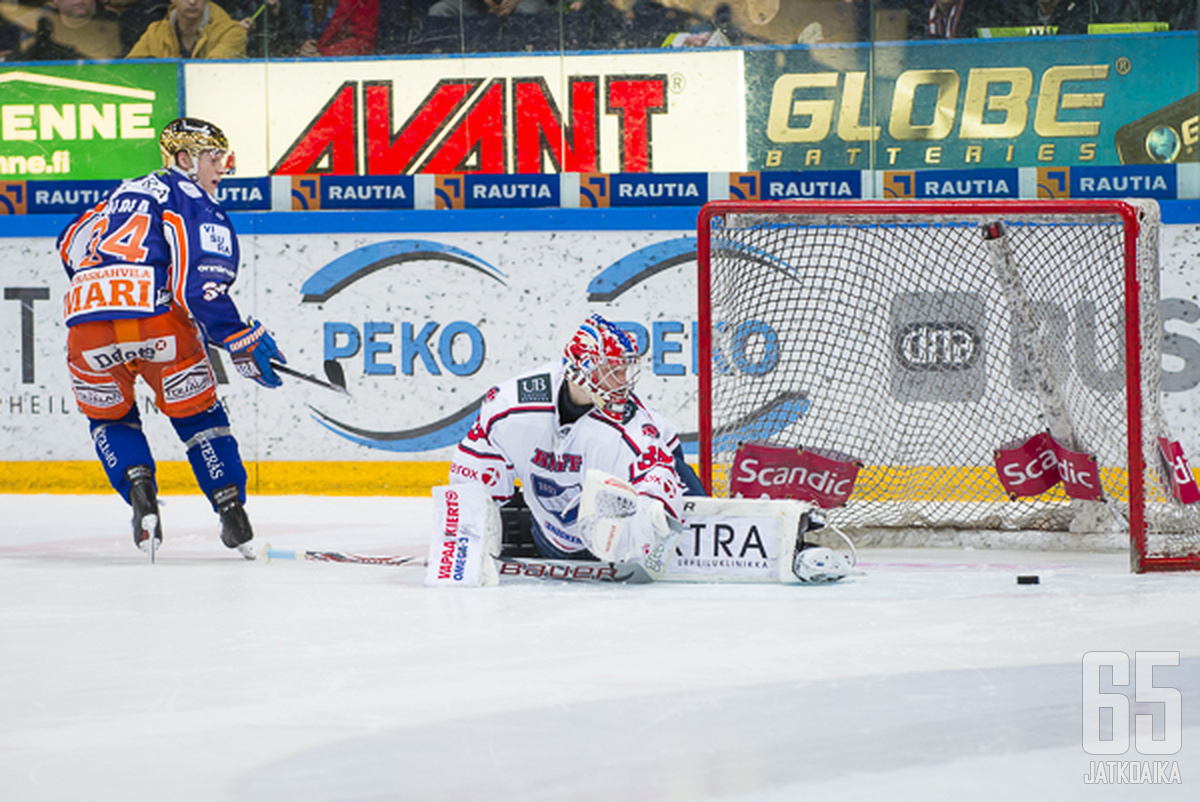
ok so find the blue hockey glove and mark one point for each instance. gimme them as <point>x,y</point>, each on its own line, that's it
<point>252,350</point>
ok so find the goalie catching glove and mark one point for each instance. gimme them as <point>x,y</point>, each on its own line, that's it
<point>618,525</point>
<point>252,350</point>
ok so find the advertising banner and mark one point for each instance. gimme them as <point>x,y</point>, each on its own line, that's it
<point>1075,101</point>
<point>86,121</point>
<point>422,321</point>
<point>669,111</point>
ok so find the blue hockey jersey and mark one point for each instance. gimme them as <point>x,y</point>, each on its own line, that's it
<point>156,241</point>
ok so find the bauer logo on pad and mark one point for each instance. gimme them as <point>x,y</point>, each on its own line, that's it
<point>792,473</point>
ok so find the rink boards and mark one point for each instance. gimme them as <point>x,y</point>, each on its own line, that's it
<point>424,311</point>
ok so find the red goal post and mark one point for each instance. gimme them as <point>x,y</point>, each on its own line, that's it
<point>923,340</point>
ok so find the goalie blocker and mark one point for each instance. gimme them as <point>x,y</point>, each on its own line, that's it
<point>719,540</point>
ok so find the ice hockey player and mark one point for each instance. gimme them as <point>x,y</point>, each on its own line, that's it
<point>553,426</point>
<point>150,269</point>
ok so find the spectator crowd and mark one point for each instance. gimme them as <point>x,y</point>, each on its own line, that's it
<point>230,29</point>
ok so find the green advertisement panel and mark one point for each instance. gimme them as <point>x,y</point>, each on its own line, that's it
<point>1027,102</point>
<point>84,121</point>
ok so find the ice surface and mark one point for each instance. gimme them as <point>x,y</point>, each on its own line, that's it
<point>932,675</point>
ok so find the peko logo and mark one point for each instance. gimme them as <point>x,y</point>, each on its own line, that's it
<point>1106,717</point>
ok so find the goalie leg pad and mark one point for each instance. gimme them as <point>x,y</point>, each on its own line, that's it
<point>466,537</point>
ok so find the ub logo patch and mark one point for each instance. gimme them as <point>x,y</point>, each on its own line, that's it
<point>534,389</point>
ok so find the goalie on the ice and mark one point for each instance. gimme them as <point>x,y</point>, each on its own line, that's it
<point>602,475</point>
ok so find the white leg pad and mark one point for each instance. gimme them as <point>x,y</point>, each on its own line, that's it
<point>745,540</point>
<point>466,537</point>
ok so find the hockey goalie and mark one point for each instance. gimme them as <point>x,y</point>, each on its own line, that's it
<point>603,480</point>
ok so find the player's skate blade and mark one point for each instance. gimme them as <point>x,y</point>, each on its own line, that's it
<point>147,527</point>
<point>236,532</point>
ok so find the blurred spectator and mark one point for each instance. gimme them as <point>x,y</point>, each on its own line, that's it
<point>625,24</point>
<point>954,19</point>
<point>1179,14</point>
<point>69,30</point>
<point>400,25</point>
<point>10,41</point>
<point>1068,16</point>
<point>135,16</point>
<point>192,29</point>
<point>501,8</point>
<point>351,31</point>
<point>274,28</point>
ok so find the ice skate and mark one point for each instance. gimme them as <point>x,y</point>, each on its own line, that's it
<point>143,497</point>
<point>236,532</point>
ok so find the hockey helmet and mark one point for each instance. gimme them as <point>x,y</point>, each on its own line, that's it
<point>603,360</point>
<point>193,136</point>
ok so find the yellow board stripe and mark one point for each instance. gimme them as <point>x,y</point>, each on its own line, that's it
<point>416,478</point>
<point>266,478</point>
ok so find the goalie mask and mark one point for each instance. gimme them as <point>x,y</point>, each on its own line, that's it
<point>603,360</point>
<point>194,136</point>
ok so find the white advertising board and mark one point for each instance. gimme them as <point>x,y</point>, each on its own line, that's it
<point>423,323</point>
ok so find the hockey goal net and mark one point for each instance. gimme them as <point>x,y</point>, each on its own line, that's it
<point>921,341</point>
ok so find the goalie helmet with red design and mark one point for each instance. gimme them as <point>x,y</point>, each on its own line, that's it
<point>602,360</point>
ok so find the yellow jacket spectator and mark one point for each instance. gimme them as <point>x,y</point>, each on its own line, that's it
<point>192,29</point>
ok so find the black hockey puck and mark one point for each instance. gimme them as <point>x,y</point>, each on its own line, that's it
<point>1028,579</point>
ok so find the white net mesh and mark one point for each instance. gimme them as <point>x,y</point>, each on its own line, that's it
<point>888,337</point>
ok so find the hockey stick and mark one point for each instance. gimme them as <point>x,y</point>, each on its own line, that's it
<point>305,555</point>
<point>526,568</point>
<point>1090,516</point>
<point>571,570</point>
<point>337,387</point>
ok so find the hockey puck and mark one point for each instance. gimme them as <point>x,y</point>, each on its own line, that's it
<point>1028,579</point>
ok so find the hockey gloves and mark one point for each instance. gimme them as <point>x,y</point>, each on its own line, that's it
<point>252,350</point>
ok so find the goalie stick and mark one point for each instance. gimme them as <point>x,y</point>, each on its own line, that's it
<point>509,567</point>
<point>571,570</point>
<point>269,553</point>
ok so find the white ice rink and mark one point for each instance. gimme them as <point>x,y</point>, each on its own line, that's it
<point>930,676</point>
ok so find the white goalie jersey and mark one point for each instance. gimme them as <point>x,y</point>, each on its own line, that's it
<point>519,434</point>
